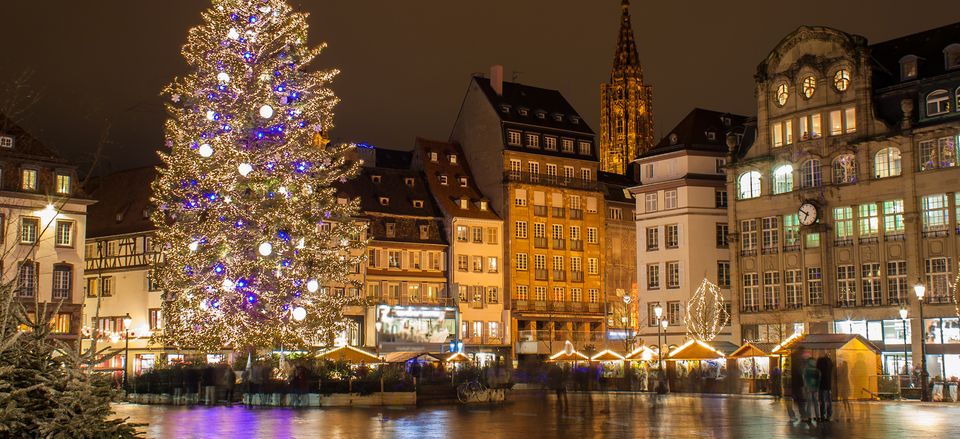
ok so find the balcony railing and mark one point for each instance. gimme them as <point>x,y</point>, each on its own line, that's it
<point>751,308</point>
<point>793,248</point>
<point>540,242</point>
<point>770,250</point>
<point>539,210</point>
<point>936,233</point>
<point>576,245</point>
<point>559,244</point>
<point>559,275</point>
<point>561,335</point>
<point>869,240</point>
<point>576,214</point>
<point>846,303</point>
<point>843,242</point>
<point>770,306</point>
<point>484,340</point>
<point>556,212</point>
<point>550,180</point>
<point>871,301</point>
<point>407,301</point>
<point>940,298</point>
<point>793,305</point>
<point>894,300</point>
<point>896,237</point>
<point>557,306</point>
<point>540,274</point>
<point>750,252</point>
<point>576,276</point>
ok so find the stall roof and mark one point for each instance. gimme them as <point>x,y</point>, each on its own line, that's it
<point>831,342</point>
<point>643,353</point>
<point>571,356</point>
<point>753,350</point>
<point>695,350</point>
<point>787,343</point>
<point>725,347</point>
<point>606,355</point>
<point>403,357</point>
<point>458,357</point>
<point>349,354</point>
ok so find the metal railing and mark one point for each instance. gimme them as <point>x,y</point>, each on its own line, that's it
<point>557,306</point>
<point>560,335</point>
<point>576,245</point>
<point>539,274</point>
<point>539,210</point>
<point>550,180</point>
<point>559,244</point>
<point>556,212</point>
<point>540,242</point>
<point>576,276</point>
<point>576,214</point>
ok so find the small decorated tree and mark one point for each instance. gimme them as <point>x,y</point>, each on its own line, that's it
<point>706,312</point>
<point>248,222</point>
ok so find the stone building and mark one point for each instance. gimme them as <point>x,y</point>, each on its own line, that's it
<point>535,158</point>
<point>681,222</point>
<point>620,259</point>
<point>475,235</point>
<point>626,105</point>
<point>848,197</point>
<point>43,218</point>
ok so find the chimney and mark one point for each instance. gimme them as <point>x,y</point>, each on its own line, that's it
<point>496,79</point>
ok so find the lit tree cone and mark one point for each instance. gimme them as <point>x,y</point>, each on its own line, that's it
<point>245,192</point>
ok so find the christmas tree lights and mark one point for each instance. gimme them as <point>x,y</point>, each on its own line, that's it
<point>248,221</point>
<point>706,312</point>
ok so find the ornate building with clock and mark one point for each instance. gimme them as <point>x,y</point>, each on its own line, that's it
<point>626,105</point>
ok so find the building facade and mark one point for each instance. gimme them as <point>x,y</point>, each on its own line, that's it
<point>849,195</point>
<point>620,261</point>
<point>475,235</point>
<point>535,158</point>
<point>43,217</point>
<point>626,105</point>
<point>681,223</point>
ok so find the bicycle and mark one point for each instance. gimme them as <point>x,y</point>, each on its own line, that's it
<point>472,391</point>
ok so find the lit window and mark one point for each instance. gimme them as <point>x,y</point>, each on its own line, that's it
<point>908,67</point>
<point>887,163</point>
<point>869,220</point>
<point>783,93</point>
<point>810,174</point>
<point>783,179</point>
<point>845,169</point>
<point>938,102</point>
<point>513,138</point>
<point>29,180</point>
<point>841,80</point>
<point>893,217</point>
<point>843,222</point>
<point>533,140</point>
<point>29,227</point>
<point>567,145</point>
<point>935,212</point>
<point>585,148</point>
<point>6,142</point>
<point>938,153</point>
<point>749,185</point>
<point>550,143</point>
<point>810,127</point>
<point>809,86</point>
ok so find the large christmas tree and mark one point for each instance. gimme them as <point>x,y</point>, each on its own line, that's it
<point>248,220</point>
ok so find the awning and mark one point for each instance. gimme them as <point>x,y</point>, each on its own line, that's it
<point>749,350</point>
<point>695,350</point>
<point>643,353</point>
<point>606,355</point>
<point>458,357</point>
<point>349,354</point>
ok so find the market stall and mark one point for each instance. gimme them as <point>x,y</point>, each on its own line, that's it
<point>611,363</point>
<point>350,354</point>
<point>456,360</point>
<point>856,361</point>
<point>753,361</point>
<point>643,364</point>
<point>696,366</point>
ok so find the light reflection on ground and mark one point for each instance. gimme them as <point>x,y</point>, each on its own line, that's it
<point>532,416</point>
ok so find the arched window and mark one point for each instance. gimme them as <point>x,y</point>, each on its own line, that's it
<point>810,173</point>
<point>841,80</point>
<point>938,102</point>
<point>783,179</point>
<point>845,169</point>
<point>749,185</point>
<point>887,163</point>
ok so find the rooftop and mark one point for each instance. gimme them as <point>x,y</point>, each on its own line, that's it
<point>123,203</point>
<point>543,107</point>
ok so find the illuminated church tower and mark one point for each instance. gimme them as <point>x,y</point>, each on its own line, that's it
<point>626,105</point>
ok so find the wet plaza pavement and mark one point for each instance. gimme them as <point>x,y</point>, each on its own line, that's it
<point>533,416</point>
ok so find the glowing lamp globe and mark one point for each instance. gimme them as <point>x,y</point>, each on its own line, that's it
<point>266,111</point>
<point>265,249</point>
<point>245,169</point>
<point>299,313</point>
<point>313,285</point>
<point>205,150</point>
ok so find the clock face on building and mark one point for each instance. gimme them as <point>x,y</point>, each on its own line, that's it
<point>807,213</point>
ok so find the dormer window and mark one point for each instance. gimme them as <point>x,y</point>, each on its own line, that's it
<point>626,193</point>
<point>711,136</point>
<point>533,140</point>
<point>384,201</point>
<point>541,115</point>
<point>433,157</point>
<point>523,111</point>
<point>408,181</point>
<point>119,216</point>
<point>908,67</point>
<point>463,181</point>
<point>63,184</point>
<point>375,178</point>
<point>951,56</point>
<point>725,121</point>
<point>513,138</point>
<point>418,204</point>
<point>575,119</point>
<point>443,180</point>
<point>6,142</point>
<point>464,203</point>
<point>453,159</point>
<point>484,205</point>
<point>146,212</point>
<point>391,230</point>
<point>424,232</point>
<point>28,181</point>
<point>505,108</point>
<point>558,117</point>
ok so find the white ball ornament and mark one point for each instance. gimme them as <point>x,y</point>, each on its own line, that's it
<point>233,34</point>
<point>223,77</point>
<point>266,111</point>
<point>265,249</point>
<point>245,169</point>
<point>313,285</point>
<point>299,313</point>
<point>211,115</point>
<point>228,284</point>
<point>193,246</point>
<point>205,150</point>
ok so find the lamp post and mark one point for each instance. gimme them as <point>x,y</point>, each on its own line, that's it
<point>903,320</point>
<point>127,321</point>
<point>627,335</point>
<point>920,291</point>
<point>377,327</point>
<point>663,365</point>
<point>658,312</point>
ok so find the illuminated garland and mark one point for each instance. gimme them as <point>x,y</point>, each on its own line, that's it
<point>706,314</point>
<point>246,188</point>
<point>956,293</point>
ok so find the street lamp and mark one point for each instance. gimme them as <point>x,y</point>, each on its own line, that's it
<point>920,290</point>
<point>127,321</point>
<point>627,335</point>
<point>663,378</point>
<point>903,319</point>
<point>378,326</point>
<point>658,312</point>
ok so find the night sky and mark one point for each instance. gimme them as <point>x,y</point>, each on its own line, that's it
<point>405,64</point>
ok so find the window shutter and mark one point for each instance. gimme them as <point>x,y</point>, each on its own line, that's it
<point>539,198</point>
<point>591,204</point>
<point>680,237</point>
<point>557,199</point>
<point>521,194</point>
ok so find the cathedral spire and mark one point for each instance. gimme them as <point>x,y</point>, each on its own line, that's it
<point>627,56</point>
